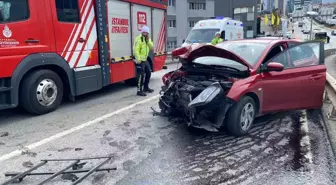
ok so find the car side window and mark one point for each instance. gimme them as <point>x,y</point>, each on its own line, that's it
<point>274,52</point>
<point>291,44</point>
<point>281,58</point>
<point>67,11</point>
<point>13,11</point>
<point>305,55</point>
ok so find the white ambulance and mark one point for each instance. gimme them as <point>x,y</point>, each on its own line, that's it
<point>204,31</point>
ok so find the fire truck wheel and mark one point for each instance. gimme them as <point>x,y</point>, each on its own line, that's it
<point>41,92</point>
<point>131,82</point>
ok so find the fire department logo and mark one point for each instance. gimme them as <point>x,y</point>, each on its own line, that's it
<point>7,32</point>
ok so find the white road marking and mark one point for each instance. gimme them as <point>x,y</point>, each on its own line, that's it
<point>305,140</point>
<point>74,129</point>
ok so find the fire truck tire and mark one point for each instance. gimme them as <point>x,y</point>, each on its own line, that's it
<point>41,92</point>
<point>131,82</point>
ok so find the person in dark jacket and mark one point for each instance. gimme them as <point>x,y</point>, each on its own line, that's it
<point>328,39</point>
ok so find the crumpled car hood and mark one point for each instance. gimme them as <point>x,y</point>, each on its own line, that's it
<point>201,50</point>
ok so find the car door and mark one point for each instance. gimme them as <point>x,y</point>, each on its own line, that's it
<point>301,84</point>
<point>273,85</point>
<point>308,62</point>
<point>71,19</point>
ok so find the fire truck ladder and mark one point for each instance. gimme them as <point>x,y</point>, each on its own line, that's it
<point>75,164</point>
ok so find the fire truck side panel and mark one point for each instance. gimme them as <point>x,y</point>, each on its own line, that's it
<point>159,37</point>
<point>76,42</point>
<point>120,42</point>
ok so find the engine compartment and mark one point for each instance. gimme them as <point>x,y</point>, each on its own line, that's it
<point>181,90</point>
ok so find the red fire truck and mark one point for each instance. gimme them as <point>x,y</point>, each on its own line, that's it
<point>50,49</point>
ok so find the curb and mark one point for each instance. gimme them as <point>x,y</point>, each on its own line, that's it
<point>329,127</point>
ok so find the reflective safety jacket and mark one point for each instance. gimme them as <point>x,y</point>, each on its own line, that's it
<point>141,48</point>
<point>216,41</point>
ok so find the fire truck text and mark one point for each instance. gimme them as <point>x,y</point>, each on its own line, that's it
<point>120,25</point>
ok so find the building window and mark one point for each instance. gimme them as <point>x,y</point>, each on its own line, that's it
<point>243,10</point>
<point>172,44</point>
<point>197,6</point>
<point>192,23</point>
<point>67,10</point>
<point>171,2</point>
<point>7,8</point>
<point>172,23</point>
<point>250,17</point>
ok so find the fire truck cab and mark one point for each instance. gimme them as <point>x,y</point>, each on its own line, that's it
<point>50,49</point>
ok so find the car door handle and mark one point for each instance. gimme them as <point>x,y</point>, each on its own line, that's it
<point>32,41</point>
<point>315,77</point>
<point>81,40</point>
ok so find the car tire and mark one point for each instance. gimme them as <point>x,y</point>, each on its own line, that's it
<point>41,92</point>
<point>234,121</point>
<point>131,82</point>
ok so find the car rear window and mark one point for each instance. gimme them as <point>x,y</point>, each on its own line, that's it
<point>250,52</point>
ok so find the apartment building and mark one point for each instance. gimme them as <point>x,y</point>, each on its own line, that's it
<point>182,16</point>
<point>242,10</point>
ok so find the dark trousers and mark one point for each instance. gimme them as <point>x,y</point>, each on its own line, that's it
<point>143,74</point>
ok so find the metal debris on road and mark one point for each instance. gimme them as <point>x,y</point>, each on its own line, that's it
<point>76,166</point>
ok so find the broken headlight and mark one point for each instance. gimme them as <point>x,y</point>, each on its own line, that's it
<point>207,95</point>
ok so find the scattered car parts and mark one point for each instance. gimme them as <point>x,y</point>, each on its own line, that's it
<point>76,165</point>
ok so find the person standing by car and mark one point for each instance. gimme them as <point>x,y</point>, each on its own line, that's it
<point>328,39</point>
<point>142,45</point>
<point>217,39</point>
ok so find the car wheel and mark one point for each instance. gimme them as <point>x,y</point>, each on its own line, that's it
<point>41,92</point>
<point>241,116</point>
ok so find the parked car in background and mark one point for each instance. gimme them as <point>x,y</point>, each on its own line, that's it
<point>306,31</point>
<point>333,32</point>
<point>232,83</point>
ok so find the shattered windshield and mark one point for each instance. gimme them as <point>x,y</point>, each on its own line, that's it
<point>201,35</point>
<point>250,52</point>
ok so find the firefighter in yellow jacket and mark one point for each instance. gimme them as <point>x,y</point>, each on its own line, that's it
<point>142,45</point>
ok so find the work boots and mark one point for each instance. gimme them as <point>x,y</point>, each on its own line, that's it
<point>141,93</point>
<point>148,90</point>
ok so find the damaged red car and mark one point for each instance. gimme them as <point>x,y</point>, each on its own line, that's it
<point>232,83</point>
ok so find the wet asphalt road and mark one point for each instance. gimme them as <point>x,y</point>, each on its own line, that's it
<point>151,150</point>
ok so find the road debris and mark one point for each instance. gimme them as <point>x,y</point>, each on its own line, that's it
<point>67,174</point>
<point>28,164</point>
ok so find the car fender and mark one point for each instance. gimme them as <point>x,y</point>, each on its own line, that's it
<point>246,86</point>
<point>34,61</point>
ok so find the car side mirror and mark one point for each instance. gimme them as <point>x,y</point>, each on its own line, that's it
<point>274,66</point>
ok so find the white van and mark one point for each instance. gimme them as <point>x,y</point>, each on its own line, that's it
<point>204,31</point>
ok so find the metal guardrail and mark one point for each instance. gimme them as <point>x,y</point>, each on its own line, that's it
<point>330,89</point>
